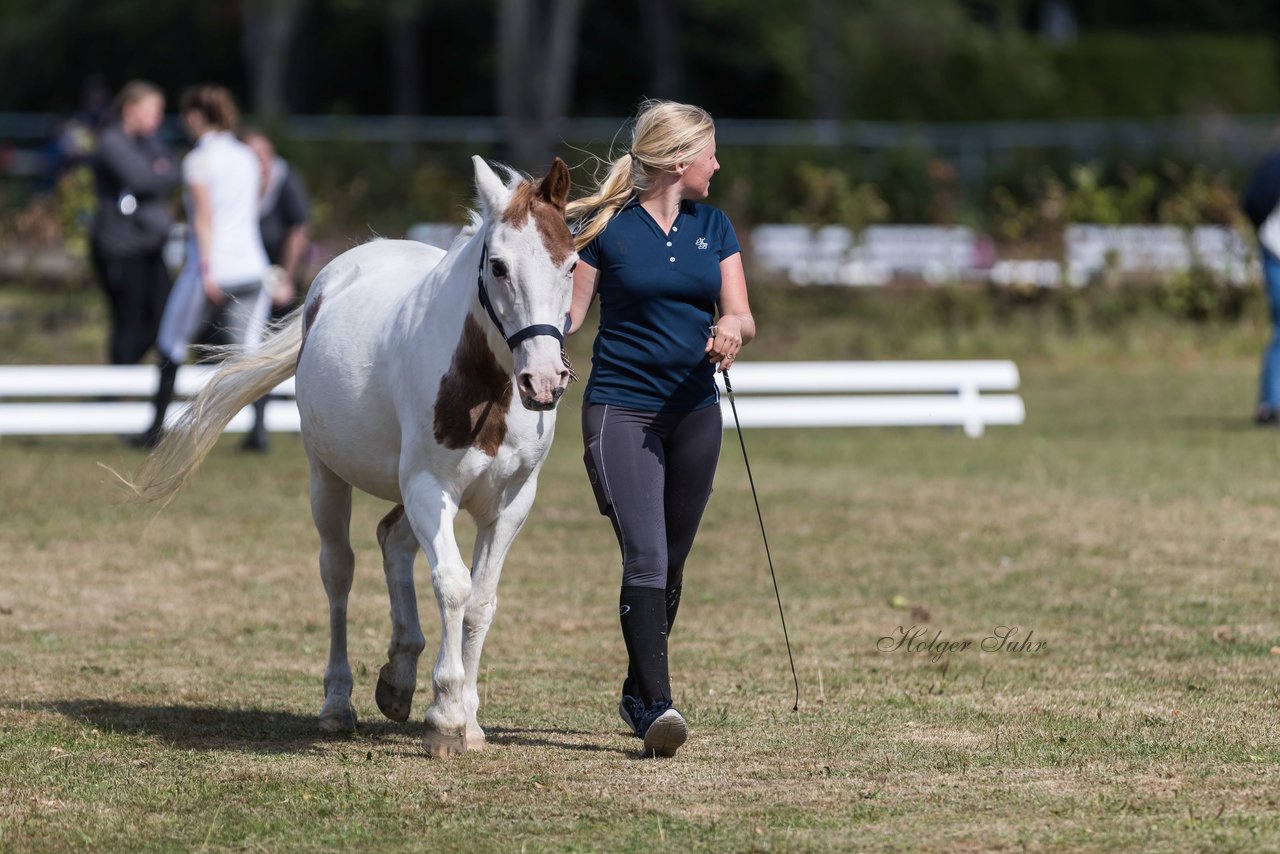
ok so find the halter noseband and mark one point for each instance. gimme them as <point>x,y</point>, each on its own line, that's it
<point>516,337</point>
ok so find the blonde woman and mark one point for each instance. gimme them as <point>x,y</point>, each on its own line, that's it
<point>663,265</point>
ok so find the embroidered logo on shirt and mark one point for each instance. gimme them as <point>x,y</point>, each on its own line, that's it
<point>701,243</point>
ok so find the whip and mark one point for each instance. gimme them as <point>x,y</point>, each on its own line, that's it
<point>738,424</point>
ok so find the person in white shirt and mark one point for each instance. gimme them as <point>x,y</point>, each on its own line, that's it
<point>220,295</point>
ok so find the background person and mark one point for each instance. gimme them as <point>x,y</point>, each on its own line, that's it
<point>135,178</point>
<point>220,295</point>
<point>661,264</point>
<point>1261,203</point>
<point>283,220</point>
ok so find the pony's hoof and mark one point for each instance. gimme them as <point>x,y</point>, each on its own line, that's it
<point>338,718</point>
<point>475,739</point>
<point>392,702</point>
<point>442,745</point>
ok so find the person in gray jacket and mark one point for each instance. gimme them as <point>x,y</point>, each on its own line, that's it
<point>135,178</point>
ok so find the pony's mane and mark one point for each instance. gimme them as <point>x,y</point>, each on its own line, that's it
<point>512,178</point>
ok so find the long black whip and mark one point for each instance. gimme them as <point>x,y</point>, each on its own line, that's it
<point>737,423</point>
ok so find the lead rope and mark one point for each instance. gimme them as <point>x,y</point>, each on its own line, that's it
<point>732,405</point>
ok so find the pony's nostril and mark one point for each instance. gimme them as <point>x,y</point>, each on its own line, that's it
<point>526,383</point>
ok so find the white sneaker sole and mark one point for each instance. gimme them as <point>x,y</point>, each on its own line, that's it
<point>665,735</point>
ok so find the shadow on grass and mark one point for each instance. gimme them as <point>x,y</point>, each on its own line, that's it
<point>273,731</point>
<point>211,728</point>
<point>532,737</point>
<point>1217,424</point>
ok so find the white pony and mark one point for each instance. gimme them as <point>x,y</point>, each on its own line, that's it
<point>406,360</point>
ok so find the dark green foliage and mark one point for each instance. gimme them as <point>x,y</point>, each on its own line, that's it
<point>922,60</point>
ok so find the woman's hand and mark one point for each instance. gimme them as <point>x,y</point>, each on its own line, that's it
<point>212,292</point>
<point>725,341</point>
<point>284,293</point>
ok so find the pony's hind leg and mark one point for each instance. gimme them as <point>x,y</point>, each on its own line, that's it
<point>331,509</point>
<point>493,541</point>
<point>399,676</point>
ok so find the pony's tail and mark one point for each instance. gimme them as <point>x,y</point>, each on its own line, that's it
<point>244,377</point>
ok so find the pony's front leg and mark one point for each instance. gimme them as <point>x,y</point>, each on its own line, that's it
<point>331,510</point>
<point>431,512</point>
<point>493,540</point>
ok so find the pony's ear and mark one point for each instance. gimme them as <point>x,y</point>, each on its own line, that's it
<point>492,191</point>
<point>554,188</point>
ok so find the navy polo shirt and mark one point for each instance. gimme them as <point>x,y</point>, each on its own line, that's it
<point>658,294</point>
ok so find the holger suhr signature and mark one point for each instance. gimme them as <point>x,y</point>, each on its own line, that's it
<point>923,640</point>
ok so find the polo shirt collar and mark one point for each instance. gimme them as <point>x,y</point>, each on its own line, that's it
<point>686,206</point>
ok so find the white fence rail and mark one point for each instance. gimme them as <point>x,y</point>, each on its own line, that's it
<point>67,399</point>
<point>42,400</point>
<point>837,255</point>
<point>875,394</point>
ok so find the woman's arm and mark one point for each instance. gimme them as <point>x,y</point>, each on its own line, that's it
<point>140,174</point>
<point>295,245</point>
<point>736,327</point>
<point>202,224</point>
<point>586,279</point>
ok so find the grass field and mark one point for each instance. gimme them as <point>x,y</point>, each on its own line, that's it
<point>161,676</point>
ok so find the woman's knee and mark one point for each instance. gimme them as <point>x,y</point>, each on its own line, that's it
<point>645,568</point>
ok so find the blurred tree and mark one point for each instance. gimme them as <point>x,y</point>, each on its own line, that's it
<point>269,29</point>
<point>404,48</point>
<point>825,29</point>
<point>661,23</point>
<point>537,46</point>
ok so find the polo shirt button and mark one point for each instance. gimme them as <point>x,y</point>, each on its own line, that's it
<point>675,228</point>
<point>673,259</point>
<point>668,242</point>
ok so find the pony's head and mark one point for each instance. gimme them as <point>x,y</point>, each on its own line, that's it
<point>528,274</point>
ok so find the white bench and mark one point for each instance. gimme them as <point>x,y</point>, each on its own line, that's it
<point>41,399</point>
<point>874,394</point>
<point>48,400</point>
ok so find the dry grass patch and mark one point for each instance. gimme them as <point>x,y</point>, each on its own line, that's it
<point>163,676</point>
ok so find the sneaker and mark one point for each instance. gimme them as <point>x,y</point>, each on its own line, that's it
<point>1265,415</point>
<point>664,730</point>
<point>631,709</point>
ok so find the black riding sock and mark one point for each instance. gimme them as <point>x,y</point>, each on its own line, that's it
<point>673,605</point>
<point>642,612</point>
<point>631,686</point>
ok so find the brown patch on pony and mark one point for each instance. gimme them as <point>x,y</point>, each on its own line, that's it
<point>545,202</point>
<point>474,396</point>
<point>312,311</point>
<point>309,319</point>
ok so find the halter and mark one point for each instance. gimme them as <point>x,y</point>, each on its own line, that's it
<point>516,337</point>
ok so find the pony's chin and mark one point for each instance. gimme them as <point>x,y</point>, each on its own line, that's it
<point>534,406</point>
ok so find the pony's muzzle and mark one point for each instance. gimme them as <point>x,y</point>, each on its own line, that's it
<point>542,390</point>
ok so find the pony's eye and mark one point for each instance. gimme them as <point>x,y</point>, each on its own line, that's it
<point>573,267</point>
<point>499,269</point>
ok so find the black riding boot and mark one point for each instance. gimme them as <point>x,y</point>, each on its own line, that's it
<point>164,396</point>
<point>256,439</point>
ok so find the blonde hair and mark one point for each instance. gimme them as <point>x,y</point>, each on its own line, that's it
<point>134,91</point>
<point>664,135</point>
